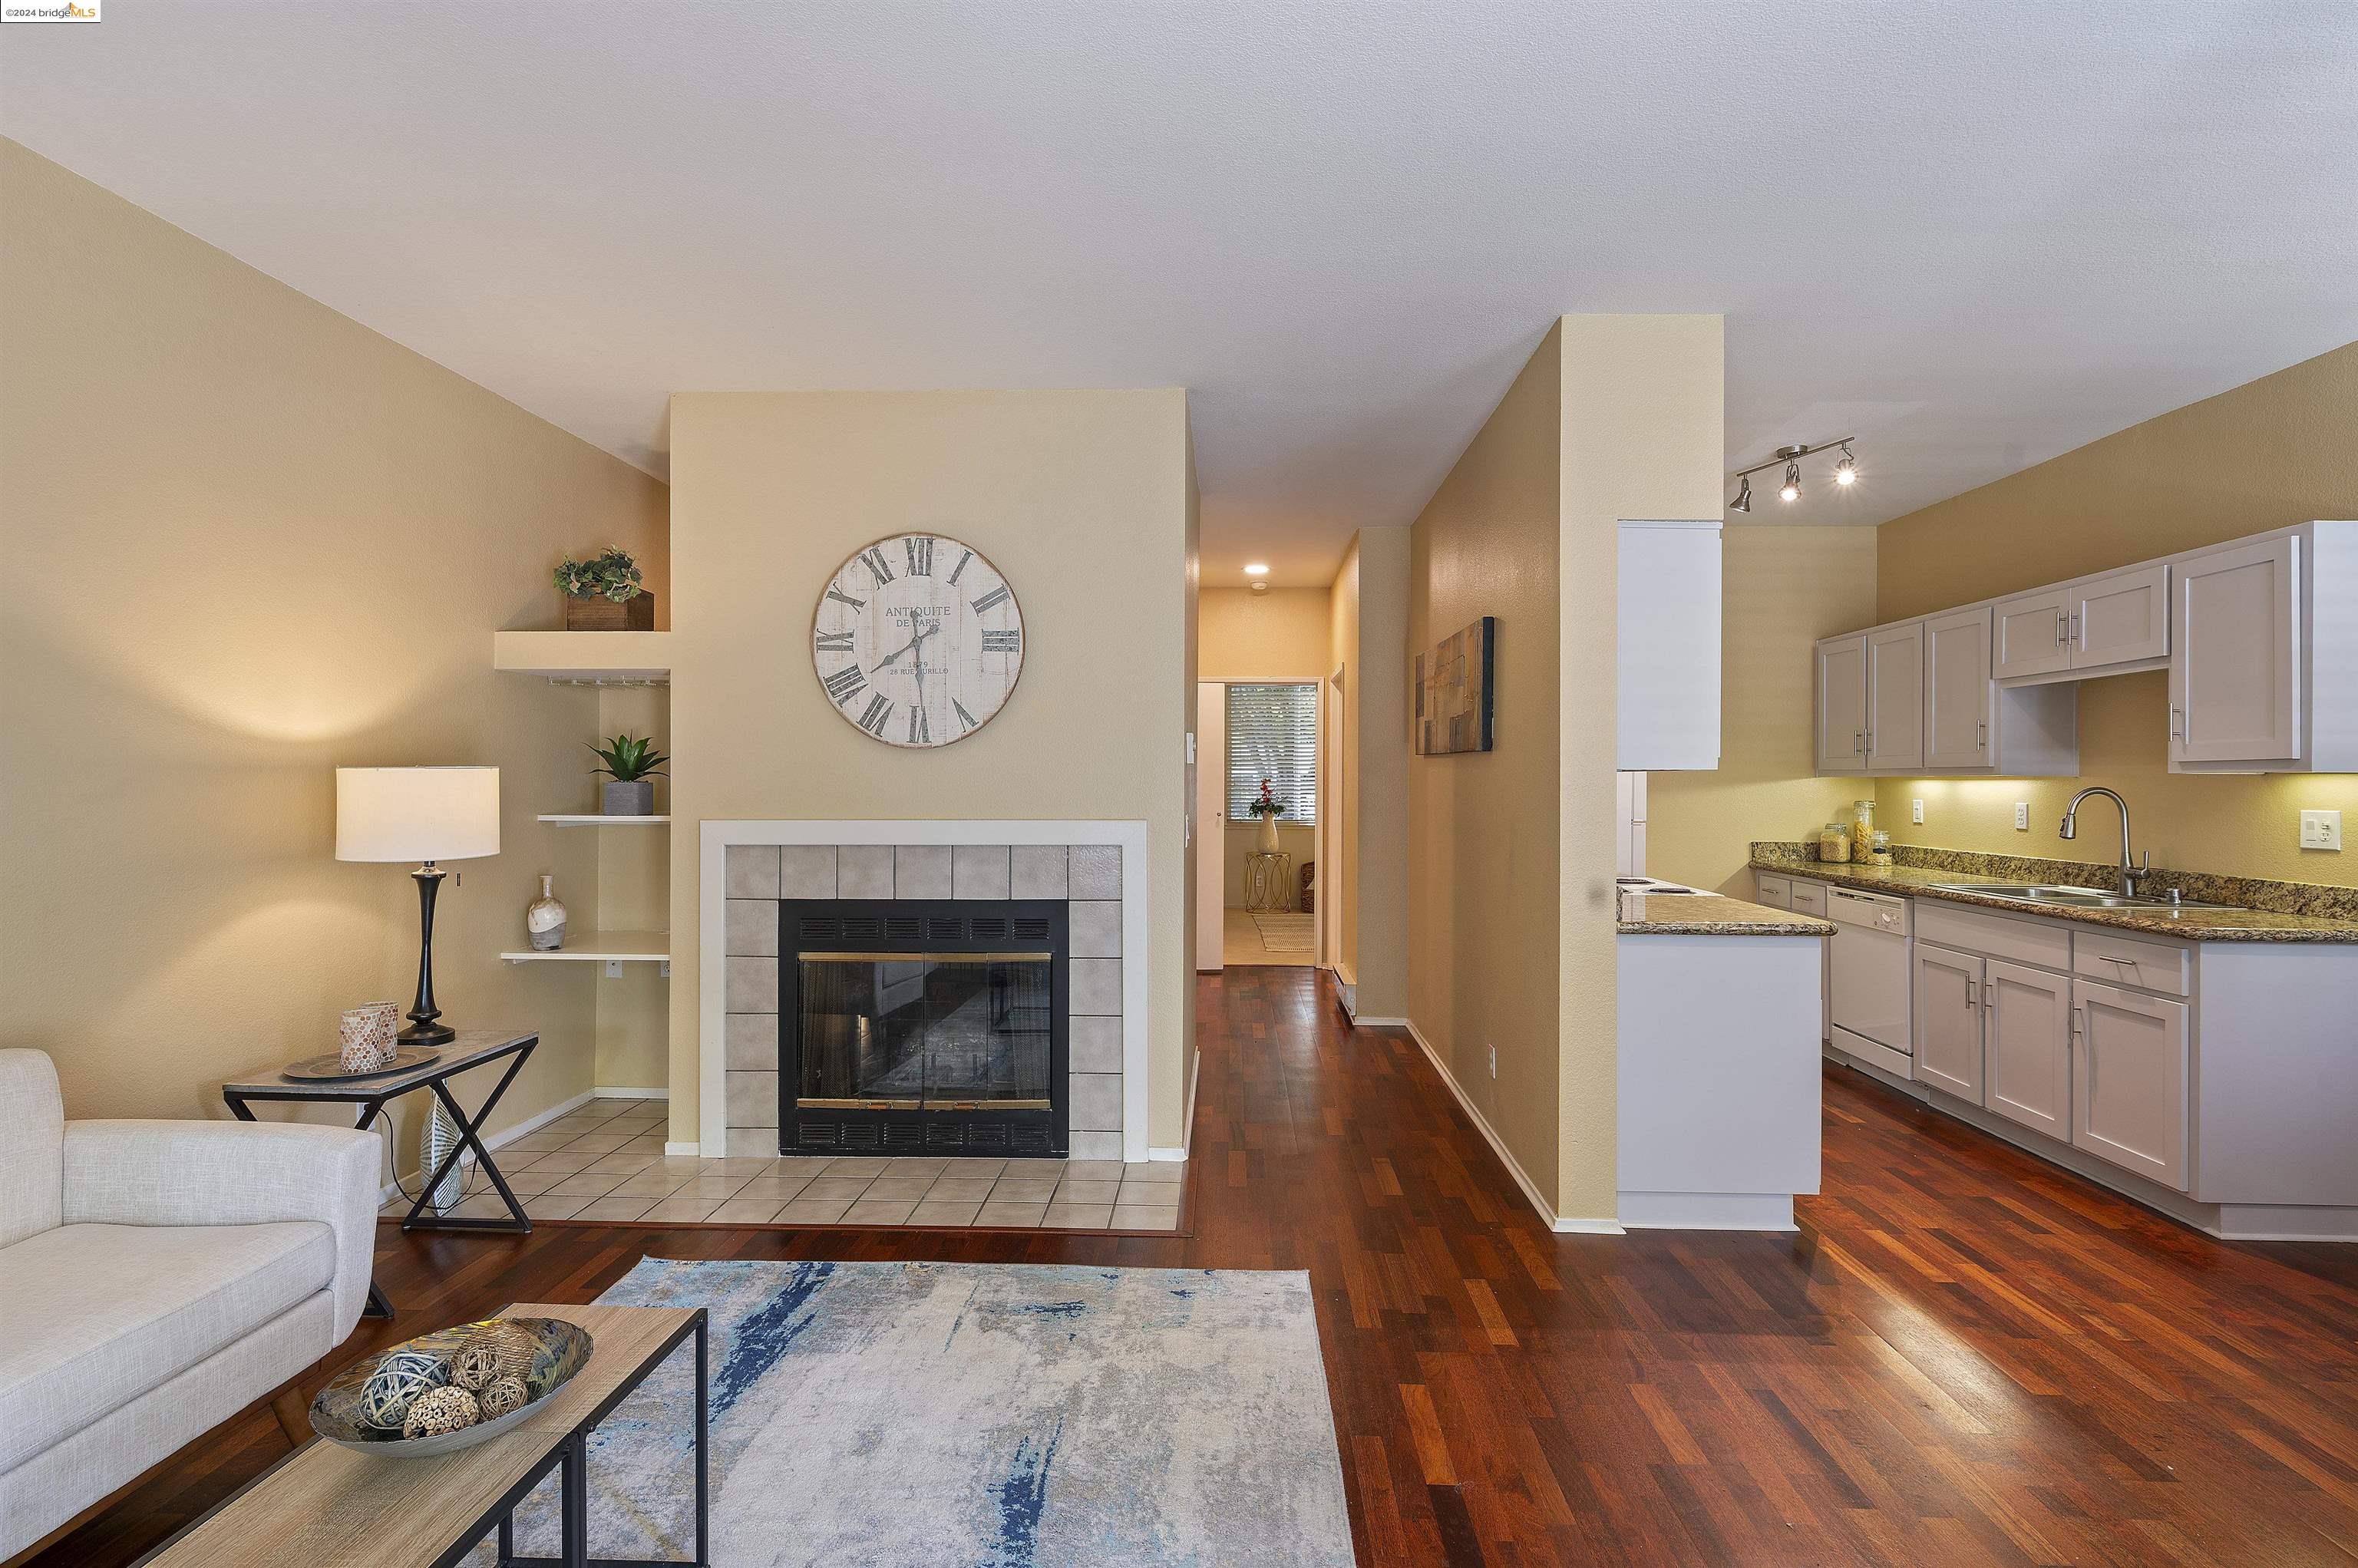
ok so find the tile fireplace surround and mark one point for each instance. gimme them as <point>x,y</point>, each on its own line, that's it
<point>1097,867</point>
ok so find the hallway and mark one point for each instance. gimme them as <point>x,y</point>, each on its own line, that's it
<point>1966,1358</point>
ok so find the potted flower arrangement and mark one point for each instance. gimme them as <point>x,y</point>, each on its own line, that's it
<point>603,593</point>
<point>632,766</point>
<point>1268,807</point>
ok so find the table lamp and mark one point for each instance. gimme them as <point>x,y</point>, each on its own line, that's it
<point>427,815</point>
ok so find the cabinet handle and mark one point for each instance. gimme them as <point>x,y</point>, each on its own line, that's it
<point>1858,742</point>
<point>2177,730</point>
<point>2059,628</point>
<point>1969,996</point>
<point>1981,734</point>
<point>2072,628</point>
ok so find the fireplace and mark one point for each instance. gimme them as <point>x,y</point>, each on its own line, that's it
<point>923,1026</point>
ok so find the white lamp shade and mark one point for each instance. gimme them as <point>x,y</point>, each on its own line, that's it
<point>416,814</point>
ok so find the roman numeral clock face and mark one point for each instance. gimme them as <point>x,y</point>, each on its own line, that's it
<point>918,640</point>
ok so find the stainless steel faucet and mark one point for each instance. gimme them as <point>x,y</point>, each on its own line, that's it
<point>2131,874</point>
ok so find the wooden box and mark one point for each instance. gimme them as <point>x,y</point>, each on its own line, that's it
<point>636,614</point>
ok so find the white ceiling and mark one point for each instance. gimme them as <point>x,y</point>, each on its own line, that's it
<point>1973,234</point>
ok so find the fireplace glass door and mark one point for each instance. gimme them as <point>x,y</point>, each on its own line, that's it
<point>925,1032</point>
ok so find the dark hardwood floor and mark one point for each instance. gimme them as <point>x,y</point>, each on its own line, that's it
<point>1966,1357</point>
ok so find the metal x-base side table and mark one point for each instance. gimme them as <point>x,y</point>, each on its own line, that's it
<point>473,1048</point>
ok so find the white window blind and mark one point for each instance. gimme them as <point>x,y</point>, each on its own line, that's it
<point>1273,735</point>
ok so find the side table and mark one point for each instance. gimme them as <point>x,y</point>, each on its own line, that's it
<point>1268,882</point>
<point>473,1048</point>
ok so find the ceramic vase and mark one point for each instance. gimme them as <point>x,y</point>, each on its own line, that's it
<point>544,920</point>
<point>1268,845</point>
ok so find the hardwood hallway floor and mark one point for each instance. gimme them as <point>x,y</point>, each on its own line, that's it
<point>1965,1358</point>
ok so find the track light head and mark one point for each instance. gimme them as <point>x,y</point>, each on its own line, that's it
<point>1846,471</point>
<point>1743,501</point>
<point>1792,489</point>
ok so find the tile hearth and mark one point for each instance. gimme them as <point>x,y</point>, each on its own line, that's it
<point>604,1162</point>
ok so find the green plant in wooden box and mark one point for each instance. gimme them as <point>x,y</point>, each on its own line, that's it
<point>604,593</point>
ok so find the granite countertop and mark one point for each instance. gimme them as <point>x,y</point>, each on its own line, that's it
<point>2331,924</point>
<point>1708,914</point>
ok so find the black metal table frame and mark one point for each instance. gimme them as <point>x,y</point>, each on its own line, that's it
<point>571,1462</point>
<point>373,1099</point>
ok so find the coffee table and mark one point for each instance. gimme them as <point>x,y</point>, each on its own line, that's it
<point>324,1505</point>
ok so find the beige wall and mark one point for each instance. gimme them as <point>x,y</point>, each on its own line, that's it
<point>1277,635</point>
<point>1483,829</point>
<point>1643,412</point>
<point>1368,639</point>
<point>249,540</point>
<point>2282,450</point>
<point>1082,498</point>
<point>1784,587</point>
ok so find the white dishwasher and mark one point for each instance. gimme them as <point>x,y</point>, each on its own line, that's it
<point>1866,985</point>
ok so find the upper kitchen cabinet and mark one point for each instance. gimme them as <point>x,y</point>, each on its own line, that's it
<point>1669,619</point>
<point>1841,684</point>
<point>1895,697</point>
<point>1972,725</point>
<point>2109,624</point>
<point>2263,657</point>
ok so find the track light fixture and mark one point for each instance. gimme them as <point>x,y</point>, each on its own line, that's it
<point>1789,459</point>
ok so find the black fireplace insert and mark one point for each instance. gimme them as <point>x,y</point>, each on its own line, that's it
<point>914,1026</point>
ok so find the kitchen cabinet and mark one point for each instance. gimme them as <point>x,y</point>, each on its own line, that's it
<point>2131,1067</point>
<point>1895,696</point>
<point>1776,893</point>
<point>2119,619</point>
<point>1972,725</point>
<point>2027,1017</point>
<point>2029,635</point>
<point>1668,668</point>
<point>1841,682</point>
<point>1949,1021</point>
<point>2234,693</point>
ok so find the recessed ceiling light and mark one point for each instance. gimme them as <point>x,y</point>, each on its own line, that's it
<point>1258,568</point>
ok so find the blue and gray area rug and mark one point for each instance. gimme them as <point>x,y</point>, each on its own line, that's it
<point>976,1416</point>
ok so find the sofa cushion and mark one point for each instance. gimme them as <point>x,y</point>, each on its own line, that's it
<point>32,1132</point>
<point>97,1315</point>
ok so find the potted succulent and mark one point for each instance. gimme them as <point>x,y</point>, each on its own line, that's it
<point>603,593</point>
<point>1268,807</point>
<point>632,766</point>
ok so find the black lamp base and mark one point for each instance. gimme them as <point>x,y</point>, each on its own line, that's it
<point>427,1035</point>
<point>425,1027</point>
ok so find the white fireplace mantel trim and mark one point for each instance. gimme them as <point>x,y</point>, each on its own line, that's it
<point>717,834</point>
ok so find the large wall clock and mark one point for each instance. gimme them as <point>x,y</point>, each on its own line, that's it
<point>918,640</point>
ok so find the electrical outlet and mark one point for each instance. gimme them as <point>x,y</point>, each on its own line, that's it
<point>1494,1060</point>
<point>2022,817</point>
<point>1918,814</point>
<point>2320,830</point>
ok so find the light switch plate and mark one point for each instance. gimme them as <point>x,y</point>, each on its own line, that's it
<point>2022,817</point>
<point>1918,804</point>
<point>2320,830</point>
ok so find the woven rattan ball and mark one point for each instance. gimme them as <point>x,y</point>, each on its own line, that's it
<point>499,1396</point>
<point>476,1364</point>
<point>441,1411</point>
<point>517,1348</point>
<point>396,1384</point>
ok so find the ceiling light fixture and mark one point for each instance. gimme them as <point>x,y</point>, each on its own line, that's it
<point>1790,459</point>
<point>1258,568</point>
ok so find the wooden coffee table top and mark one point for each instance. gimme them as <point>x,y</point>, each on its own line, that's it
<point>324,1505</point>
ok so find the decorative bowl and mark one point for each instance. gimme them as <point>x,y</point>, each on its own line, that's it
<point>554,1350</point>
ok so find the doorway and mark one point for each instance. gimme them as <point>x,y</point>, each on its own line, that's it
<point>1257,737</point>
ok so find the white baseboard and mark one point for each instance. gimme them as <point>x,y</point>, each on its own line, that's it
<point>1187,1133</point>
<point>631,1094</point>
<point>675,1149</point>
<point>1707,1211</point>
<point>1382,1022</point>
<point>1497,1146</point>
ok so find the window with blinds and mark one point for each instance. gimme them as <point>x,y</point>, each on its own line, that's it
<point>1273,735</point>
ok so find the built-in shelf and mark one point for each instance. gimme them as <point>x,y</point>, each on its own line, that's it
<point>586,658</point>
<point>611,948</point>
<point>591,819</point>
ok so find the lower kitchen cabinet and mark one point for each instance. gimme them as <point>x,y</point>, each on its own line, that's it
<point>1949,1021</point>
<point>2131,1109</point>
<point>2029,1026</point>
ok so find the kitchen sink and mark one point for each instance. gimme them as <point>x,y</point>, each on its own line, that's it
<point>2066,897</point>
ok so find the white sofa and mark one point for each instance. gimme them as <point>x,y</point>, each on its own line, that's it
<point>156,1278</point>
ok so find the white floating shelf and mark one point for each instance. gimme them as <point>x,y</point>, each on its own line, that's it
<point>586,658</point>
<point>591,819</point>
<point>611,948</point>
